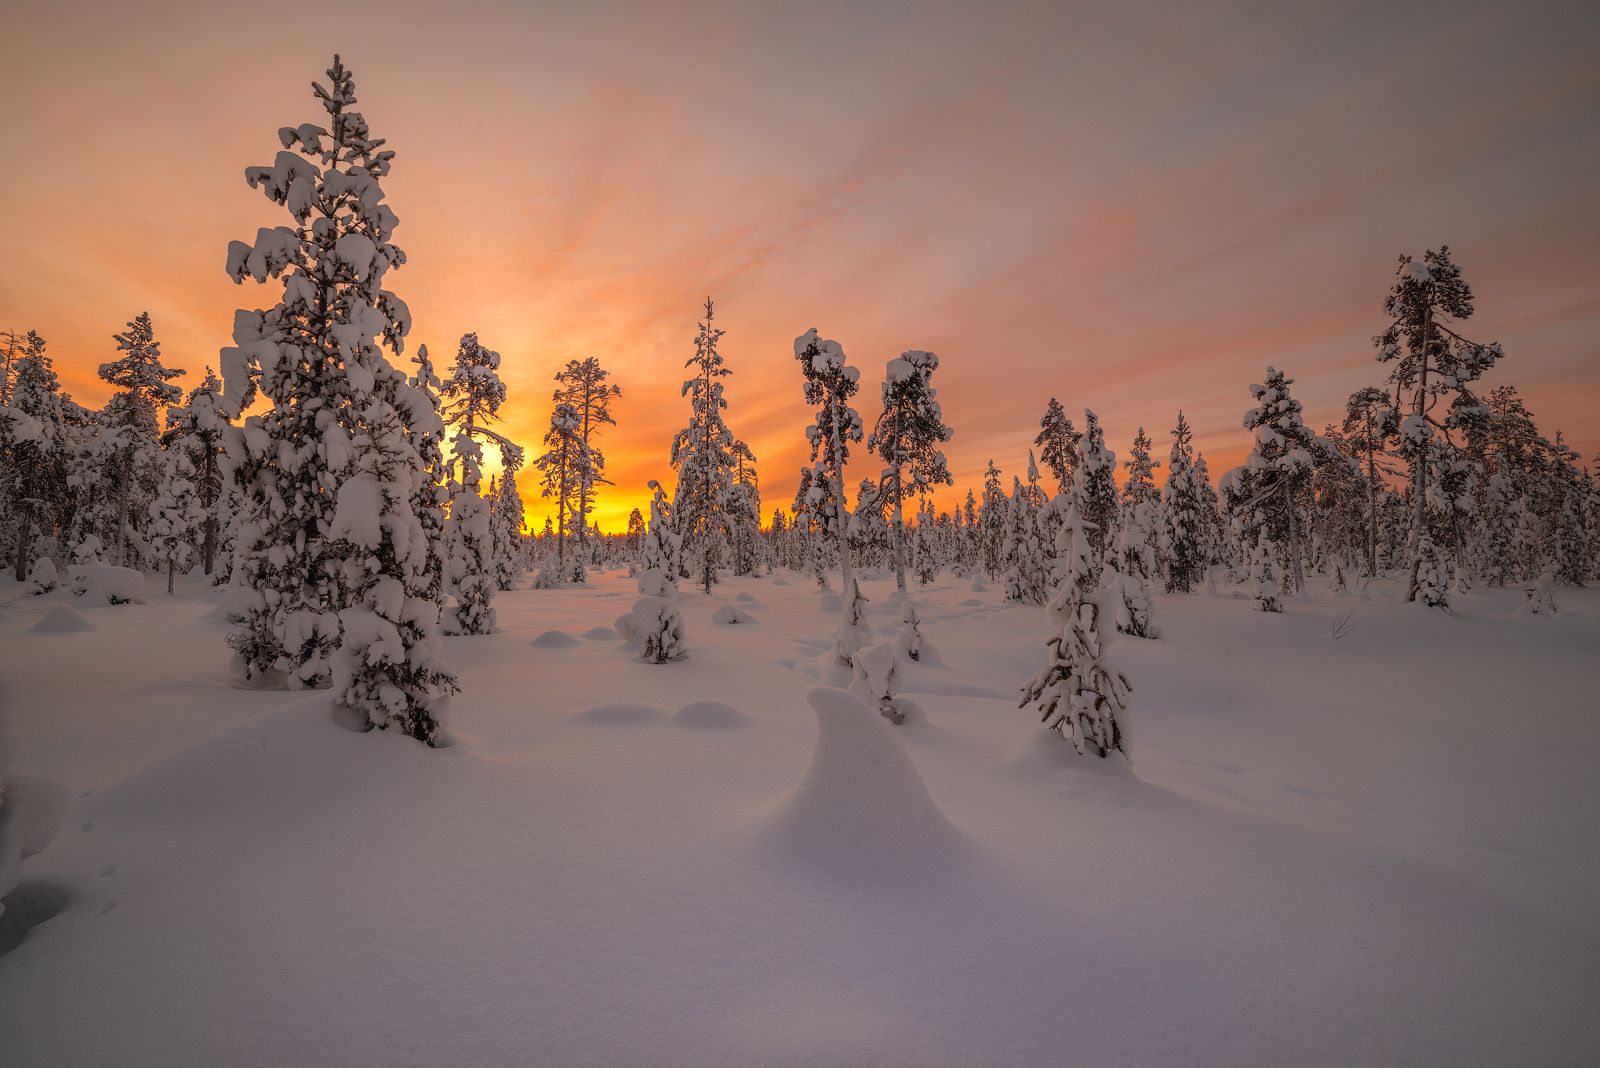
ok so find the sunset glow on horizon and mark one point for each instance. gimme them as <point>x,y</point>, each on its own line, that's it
<point>999,189</point>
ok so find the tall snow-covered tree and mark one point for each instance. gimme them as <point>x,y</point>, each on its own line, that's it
<point>907,437</point>
<point>432,489</point>
<point>471,399</point>
<point>1568,541</point>
<point>144,387</point>
<point>1133,567</point>
<point>563,464</point>
<point>830,382</point>
<point>200,428</point>
<point>702,452</point>
<point>582,384</point>
<point>313,358</point>
<point>1182,518</point>
<point>1267,586</point>
<point>1432,363</point>
<point>387,668</point>
<point>1058,444</point>
<point>177,522</point>
<point>655,620</point>
<point>1077,692</point>
<point>1370,425</point>
<point>992,523</point>
<point>33,446</point>
<point>1095,487</point>
<point>744,512</point>
<point>507,523</point>
<point>1140,487</point>
<point>1279,466</point>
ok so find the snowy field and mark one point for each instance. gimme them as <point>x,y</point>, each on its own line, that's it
<point>1376,848</point>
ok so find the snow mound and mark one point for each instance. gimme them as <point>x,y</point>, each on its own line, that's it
<point>780,581</point>
<point>1047,754</point>
<point>730,614</point>
<point>747,598</point>
<point>106,584</point>
<point>861,802</point>
<point>554,639</point>
<point>62,619</point>
<point>600,634</point>
<point>709,715</point>
<point>621,714</point>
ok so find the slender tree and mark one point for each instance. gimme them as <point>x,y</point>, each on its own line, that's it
<point>907,437</point>
<point>1058,444</point>
<point>314,360</point>
<point>1430,362</point>
<point>582,384</point>
<point>703,455</point>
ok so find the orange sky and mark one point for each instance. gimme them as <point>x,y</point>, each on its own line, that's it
<point>1133,211</point>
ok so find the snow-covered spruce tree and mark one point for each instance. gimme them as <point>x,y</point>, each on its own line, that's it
<point>1096,492</point>
<point>562,464</point>
<point>1134,563</point>
<point>924,546</point>
<point>432,490</point>
<point>1591,518</point>
<point>1182,519</point>
<point>1266,586</point>
<point>1502,510</point>
<point>144,386</point>
<point>507,523</point>
<point>1279,466</point>
<point>1370,425</point>
<point>1431,362</point>
<point>1433,580</point>
<point>471,399</point>
<point>1077,692</point>
<point>199,429</point>
<point>1140,488</point>
<point>1568,541</point>
<point>582,384</point>
<point>830,382</point>
<point>387,667</point>
<point>177,521</point>
<point>907,437</point>
<point>33,439</point>
<point>744,513</point>
<point>992,524</point>
<point>1028,579</point>
<point>702,453</point>
<point>1057,442</point>
<point>313,359</point>
<point>655,621</point>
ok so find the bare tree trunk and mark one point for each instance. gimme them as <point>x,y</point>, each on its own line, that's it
<point>171,568</point>
<point>1372,505</point>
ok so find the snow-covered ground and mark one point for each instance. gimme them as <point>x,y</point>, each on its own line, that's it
<point>1378,848</point>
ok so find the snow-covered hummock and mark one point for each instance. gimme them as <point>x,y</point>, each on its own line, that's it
<point>861,803</point>
<point>31,810</point>
<point>1077,692</point>
<point>105,584</point>
<point>42,576</point>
